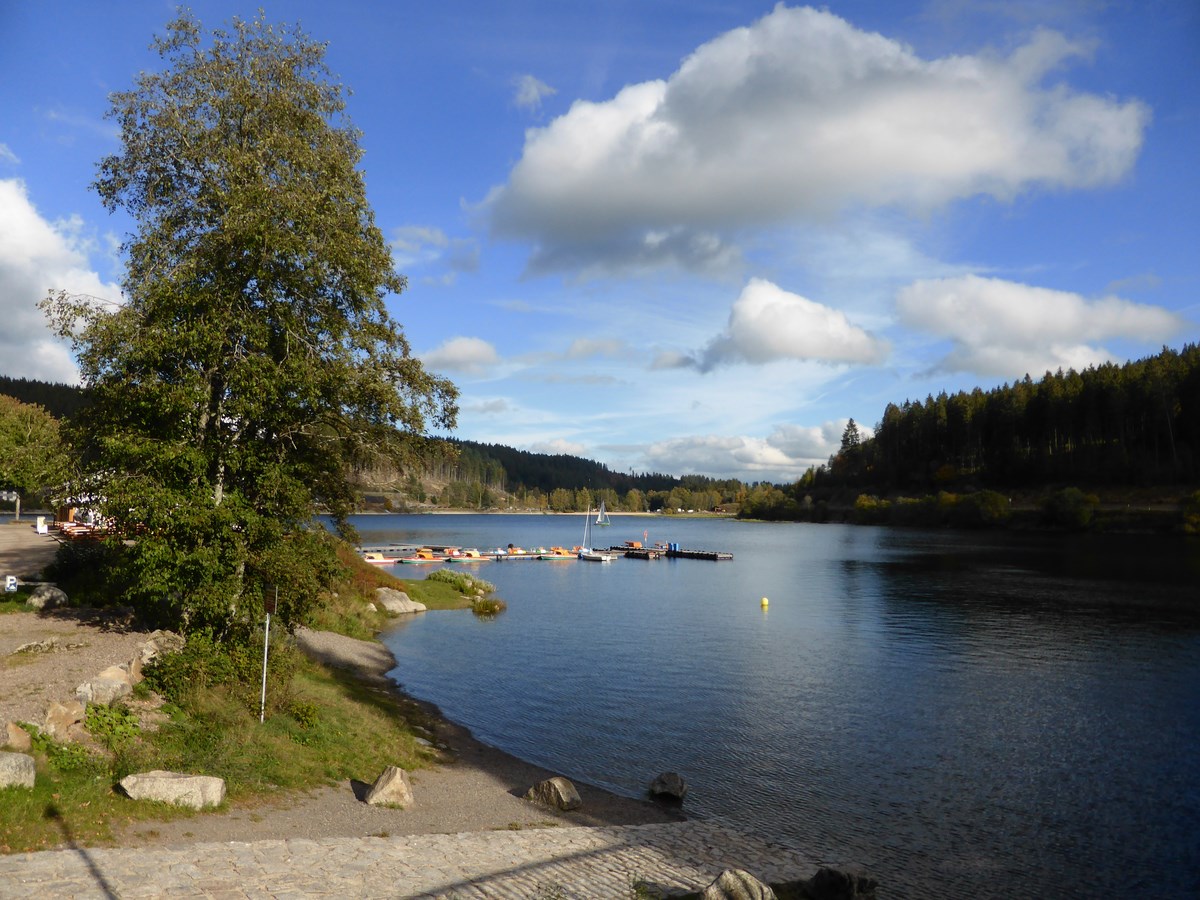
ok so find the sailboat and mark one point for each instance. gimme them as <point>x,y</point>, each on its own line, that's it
<point>602,516</point>
<point>585,550</point>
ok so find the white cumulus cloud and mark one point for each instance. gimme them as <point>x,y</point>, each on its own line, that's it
<point>1008,329</point>
<point>468,355</point>
<point>37,256</point>
<point>798,115</point>
<point>767,323</point>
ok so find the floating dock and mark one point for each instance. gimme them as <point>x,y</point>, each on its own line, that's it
<point>671,551</point>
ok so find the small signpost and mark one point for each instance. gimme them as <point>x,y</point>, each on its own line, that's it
<point>270,604</point>
<point>13,497</point>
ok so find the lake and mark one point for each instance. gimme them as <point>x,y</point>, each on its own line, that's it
<point>961,713</point>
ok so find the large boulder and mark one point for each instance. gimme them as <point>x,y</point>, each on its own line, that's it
<point>195,791</point>
<point>61,718</point>
<point>734,884</point>
<point>397,602</point>
<point>391,788</point>
<point>47,596</point>
<point>669,786</point>
<point>556,793</point>
<point>17,770</point>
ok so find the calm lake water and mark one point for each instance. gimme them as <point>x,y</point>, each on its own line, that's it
<point>964,714</point>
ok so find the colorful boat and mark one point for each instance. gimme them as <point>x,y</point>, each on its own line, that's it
<point>469,555</point>
<point>375,558</point>
<point>555,553</point>
<point>422,556</point>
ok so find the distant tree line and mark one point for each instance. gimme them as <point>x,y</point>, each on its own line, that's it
<point>63,401</point>
<point>1136,424</point>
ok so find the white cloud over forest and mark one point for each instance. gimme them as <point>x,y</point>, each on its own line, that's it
<point>37,256</point>
<point>1008,329</point>
<point>767,324</point>
<point>800,115</point>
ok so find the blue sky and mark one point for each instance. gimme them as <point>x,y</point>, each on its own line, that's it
<point>693,237</point>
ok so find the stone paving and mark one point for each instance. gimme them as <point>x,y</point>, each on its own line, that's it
<point>545,863</point>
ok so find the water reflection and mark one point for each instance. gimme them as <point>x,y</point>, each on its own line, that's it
<point>966,714</point>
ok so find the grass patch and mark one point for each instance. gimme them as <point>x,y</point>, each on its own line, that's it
<point>323,726</point>
<point>16,601</point>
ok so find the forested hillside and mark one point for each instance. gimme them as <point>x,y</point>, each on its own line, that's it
<point>1107,428</point>
<point>60,400</point>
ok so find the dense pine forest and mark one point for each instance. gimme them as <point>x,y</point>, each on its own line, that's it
<point>1107,428</point>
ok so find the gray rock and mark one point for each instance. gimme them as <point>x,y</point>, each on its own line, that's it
<point>391,788</point>
<point>556,793</point>
<point>195,791</point>
<point>47,596</point>
<point>397,602</point>
<point>61,718</point>
<point>669,785</point>
<point>38,646</point>
<point>16,738</point>
<point>106,688</point>
<point>734,884</point>
<point>17,770</point>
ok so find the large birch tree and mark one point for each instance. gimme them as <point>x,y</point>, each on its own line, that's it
<point>253,362</point>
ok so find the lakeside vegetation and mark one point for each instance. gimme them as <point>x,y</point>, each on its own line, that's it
<point>322,725</point>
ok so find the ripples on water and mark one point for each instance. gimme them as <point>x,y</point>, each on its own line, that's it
<point>965,715</point>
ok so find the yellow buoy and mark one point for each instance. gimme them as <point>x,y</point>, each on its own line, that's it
<point>764,602</point>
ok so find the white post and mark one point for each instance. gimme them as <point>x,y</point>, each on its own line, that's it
<point>262,709</point>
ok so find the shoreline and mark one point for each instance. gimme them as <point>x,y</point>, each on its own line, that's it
<point>473,787</point>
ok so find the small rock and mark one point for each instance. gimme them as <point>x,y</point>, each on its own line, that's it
<point>17,770</point>
<point>195,791</point>
<point>391,788</point>
<point>17,738</point>
<point>371,607</point>
<point>734,884</point>
<point>38,646</point>
<point>47,596</point>
<point>556,793</point>
<point>669,785</point>
<point>60,717</point>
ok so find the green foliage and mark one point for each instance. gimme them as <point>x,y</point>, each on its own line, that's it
<point>113,726</point>
<point>235,665</point>
<point>33,455</point>
<point>69,757</point>
<point>463,582</point>
<point>1070,508</point>
<point>486,607</point>
<point>1191,513</point>
<point>253,364</point>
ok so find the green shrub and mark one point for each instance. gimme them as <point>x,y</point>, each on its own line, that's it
<point>204,662</point>
<point>63,757</point>
<point>1191,513</point>
<point>462,582</point>
<point>870,510</point>
<point>113,726</point>
<point>486,607</point>
<point>1070,508</point>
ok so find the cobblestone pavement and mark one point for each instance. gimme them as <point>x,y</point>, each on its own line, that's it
<point>534,863</point>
